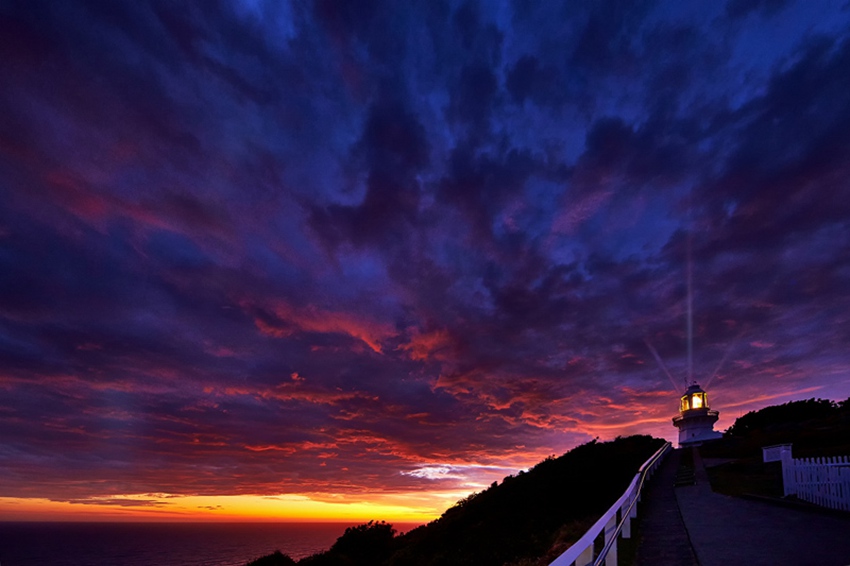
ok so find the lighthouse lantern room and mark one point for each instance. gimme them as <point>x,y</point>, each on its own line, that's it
<point>696,420</point>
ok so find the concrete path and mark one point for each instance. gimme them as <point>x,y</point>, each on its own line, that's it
<point>663,539</point>
<point>729,531</point>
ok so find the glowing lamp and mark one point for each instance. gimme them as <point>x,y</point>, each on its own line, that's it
<point>696,401</point>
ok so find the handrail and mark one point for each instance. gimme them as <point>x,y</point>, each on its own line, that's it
<point>583,548</point>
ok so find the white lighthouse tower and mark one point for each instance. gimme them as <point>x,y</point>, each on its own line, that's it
<point>695,421</point>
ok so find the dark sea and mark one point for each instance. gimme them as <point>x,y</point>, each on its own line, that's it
<point>166,544</point>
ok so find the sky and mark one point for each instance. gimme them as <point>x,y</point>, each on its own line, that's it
<point>356,260</point>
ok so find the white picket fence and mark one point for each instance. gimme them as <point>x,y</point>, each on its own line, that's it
<point>822,481</point>
<point>614,523</point>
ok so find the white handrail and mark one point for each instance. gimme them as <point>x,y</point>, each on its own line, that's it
<point>581,552</point>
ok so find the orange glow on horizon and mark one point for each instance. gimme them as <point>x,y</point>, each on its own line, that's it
<point>415,508</point>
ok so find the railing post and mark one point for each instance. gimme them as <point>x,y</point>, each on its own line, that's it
<point>627,520</point>
<point>611,531</point>
<point>586,556</point>
<point>633,512</point>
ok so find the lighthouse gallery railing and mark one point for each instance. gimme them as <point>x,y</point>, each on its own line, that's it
<point>581,553</point>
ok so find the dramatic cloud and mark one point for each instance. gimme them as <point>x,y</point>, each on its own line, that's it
<point>366,252</point>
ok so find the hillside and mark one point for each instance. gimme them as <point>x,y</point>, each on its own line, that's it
<point>526,519</point>
<point>816,427</point>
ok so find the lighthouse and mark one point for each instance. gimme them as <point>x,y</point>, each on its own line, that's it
<point>696,420</point>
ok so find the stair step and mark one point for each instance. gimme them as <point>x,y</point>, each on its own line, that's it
<point>684,476</point>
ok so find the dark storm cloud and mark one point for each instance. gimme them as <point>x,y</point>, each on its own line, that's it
<point>391,151</point>
<point>742,8</point>
<point>339,247</point>
<point>605,41</point>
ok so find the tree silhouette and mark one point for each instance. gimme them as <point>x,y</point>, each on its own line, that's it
<point>364,545</point>
<point>783,415</point>
<point>816,427</point>
<point>275,559</point>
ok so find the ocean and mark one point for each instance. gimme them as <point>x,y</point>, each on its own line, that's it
<point>161,544</point>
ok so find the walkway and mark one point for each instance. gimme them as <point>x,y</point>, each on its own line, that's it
<point>663,539</point>
<point>729,531</point>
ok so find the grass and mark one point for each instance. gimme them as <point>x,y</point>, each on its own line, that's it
<point>747,476</point>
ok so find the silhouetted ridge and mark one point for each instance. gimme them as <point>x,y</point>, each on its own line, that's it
<point>816,427</point>
<point>275,559</point>
<point>526,519</point>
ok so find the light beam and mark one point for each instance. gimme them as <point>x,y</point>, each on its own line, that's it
<point>661,364</point>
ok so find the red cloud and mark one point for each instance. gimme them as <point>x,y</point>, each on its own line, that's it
<point>423,346</point>
<point>310,318</point>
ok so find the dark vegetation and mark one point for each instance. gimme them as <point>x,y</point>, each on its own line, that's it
<point>815,428</point>
<point>275,559</point>
<point>526,520</point>
<point>372,543</point>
